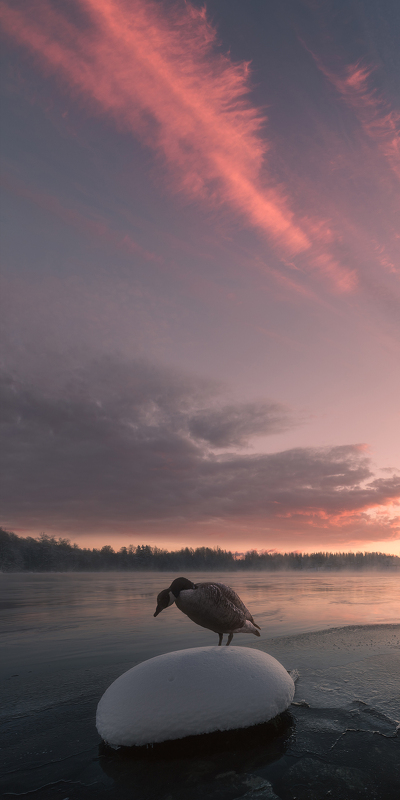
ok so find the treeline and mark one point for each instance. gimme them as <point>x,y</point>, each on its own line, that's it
<point>47,554</point>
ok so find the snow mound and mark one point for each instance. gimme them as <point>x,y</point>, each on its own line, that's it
<point>194,691</point>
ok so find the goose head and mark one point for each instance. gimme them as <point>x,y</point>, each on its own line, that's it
<point>168,596</point>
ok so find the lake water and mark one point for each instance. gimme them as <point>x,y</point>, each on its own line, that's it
<point>66,637</point>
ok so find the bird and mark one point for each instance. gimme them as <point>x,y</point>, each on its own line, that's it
<point>212,605</point>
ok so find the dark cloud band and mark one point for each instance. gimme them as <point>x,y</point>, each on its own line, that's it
<point>133,442</point>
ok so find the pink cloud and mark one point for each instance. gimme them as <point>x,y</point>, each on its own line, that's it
<point>344,279</point>
<point>155,69</point>
<point>379,121</point>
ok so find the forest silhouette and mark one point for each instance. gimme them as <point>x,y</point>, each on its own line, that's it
<point>47,554</point>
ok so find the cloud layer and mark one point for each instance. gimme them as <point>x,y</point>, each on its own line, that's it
<point>154,210</point>
<point>127,443</point>
<point>155,68</point>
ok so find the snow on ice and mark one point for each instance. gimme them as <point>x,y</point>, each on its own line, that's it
<point>194,691</point>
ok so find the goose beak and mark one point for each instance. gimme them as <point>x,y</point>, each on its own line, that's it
<point>163,601</point>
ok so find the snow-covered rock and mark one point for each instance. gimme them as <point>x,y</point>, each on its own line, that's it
<point>193,691</point>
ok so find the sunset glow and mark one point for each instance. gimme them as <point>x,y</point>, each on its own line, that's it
<point>201,267</point>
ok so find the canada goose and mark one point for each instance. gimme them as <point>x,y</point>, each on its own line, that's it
<point>211,605</point>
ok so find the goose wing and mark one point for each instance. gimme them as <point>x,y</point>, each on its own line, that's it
<point>230,595</point>
<point>208,606</point>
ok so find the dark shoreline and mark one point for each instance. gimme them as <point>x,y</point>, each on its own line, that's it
<point>47,554</point>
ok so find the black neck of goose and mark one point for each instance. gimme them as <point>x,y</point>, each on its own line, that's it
<point>179,584</point>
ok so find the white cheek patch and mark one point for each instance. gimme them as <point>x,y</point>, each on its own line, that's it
<point>171,599</point>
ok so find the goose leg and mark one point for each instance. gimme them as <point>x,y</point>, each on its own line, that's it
<point>220,638</point>
<point>230,637</point>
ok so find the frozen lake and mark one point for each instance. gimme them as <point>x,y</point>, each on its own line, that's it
<point>67,636</point>
<point>63,620</point>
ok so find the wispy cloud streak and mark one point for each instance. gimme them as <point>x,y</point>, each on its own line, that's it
<point>379,121</point>
<point>157,71</point>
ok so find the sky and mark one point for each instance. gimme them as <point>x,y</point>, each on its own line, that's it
<point>200,273</point>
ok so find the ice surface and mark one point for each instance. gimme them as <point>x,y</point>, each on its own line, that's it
<point>67,637</point>
<point>194,691</point>
<point>341,666</point>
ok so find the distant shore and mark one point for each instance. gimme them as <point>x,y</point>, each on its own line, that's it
<point>47,554</point>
